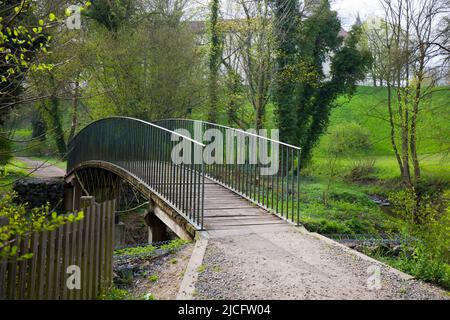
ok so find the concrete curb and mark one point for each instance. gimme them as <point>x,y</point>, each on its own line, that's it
<point>400,274</point>
<point>187,287</point>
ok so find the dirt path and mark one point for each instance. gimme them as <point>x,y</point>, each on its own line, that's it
<point>296,264</point>
<point>42,169</point>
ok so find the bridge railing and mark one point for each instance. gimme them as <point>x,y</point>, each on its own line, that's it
<point>243,168</point>
<point>145,150</point>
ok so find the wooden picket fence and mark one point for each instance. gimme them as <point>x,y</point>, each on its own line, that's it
<point>87,244</point>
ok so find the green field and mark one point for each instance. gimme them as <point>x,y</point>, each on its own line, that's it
<point>12,172</point>
<point>368,109</point>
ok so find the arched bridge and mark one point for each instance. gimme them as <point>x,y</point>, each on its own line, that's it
<point>198,175</point>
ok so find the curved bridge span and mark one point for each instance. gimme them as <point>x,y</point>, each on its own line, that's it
<point>198,175</point>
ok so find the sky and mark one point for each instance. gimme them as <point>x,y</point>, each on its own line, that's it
<point>347,9</point>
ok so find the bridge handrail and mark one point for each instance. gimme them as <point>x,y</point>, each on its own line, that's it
<point>234,129</point>
<point>143,150</point>
<point>143,122</point>
<point>246,170</point>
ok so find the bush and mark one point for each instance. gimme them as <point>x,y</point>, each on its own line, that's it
<point>347,139</point>
<point>17,222</point>
<point>361,170</point>
<point>423,265</point>
<point>428,220</point>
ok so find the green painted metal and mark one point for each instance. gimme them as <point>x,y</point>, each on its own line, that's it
<point>144,150</point>
<point>278,193</point>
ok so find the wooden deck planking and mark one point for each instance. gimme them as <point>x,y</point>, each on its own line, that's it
<point>227,212</point>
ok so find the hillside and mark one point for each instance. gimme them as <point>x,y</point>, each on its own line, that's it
<point>368,108</point>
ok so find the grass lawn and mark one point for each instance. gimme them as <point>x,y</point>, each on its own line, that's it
<point>349,210</point>
<point>13,172</point>
<point>433,166</point>
<point>51,161</point>
<point>368,108</point>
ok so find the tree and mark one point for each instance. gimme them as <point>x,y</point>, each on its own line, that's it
<point>112,14</point>
<point>62,80</point>
<point>287,19</point>
<point>305,95</point>
<point>254,47</point>
<point>412,41</point>
<point>374,31</point>
<point>22,40</point>
<point>28,29</point>
<point>147,70</point>
<point>215,57</point>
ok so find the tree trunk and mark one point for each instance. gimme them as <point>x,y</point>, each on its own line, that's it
<point>392,125</point>
<point>413,139</point>
<point>52,110</point>
<point>74,124</point>
<point>406,173</point>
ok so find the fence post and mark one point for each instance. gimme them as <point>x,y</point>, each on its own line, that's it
<point>88,282</point>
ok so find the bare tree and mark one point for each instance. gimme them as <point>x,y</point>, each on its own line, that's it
<point>248,51</point>
<point>412,41</point>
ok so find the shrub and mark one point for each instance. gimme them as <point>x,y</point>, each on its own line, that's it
<point>423,265</point>
<point>428,220</point>
<point>347,139</point>
<point>16,222</point>
<point>361,170</point>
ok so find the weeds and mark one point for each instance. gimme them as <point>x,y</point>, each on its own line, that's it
<point>201,269</point>
<point>114,293</point>
<point>153,278</point>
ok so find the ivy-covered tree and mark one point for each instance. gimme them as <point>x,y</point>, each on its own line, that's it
<point>215,58</point>
<point>287,18</point>
<point>304,93</point>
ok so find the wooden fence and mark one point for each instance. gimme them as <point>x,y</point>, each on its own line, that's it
<point>87,244</point>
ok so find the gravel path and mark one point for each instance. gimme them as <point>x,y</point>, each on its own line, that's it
<point>42,170</point>
<point>295,264</point>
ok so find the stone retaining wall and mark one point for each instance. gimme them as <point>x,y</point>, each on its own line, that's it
<point>37,192</point>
